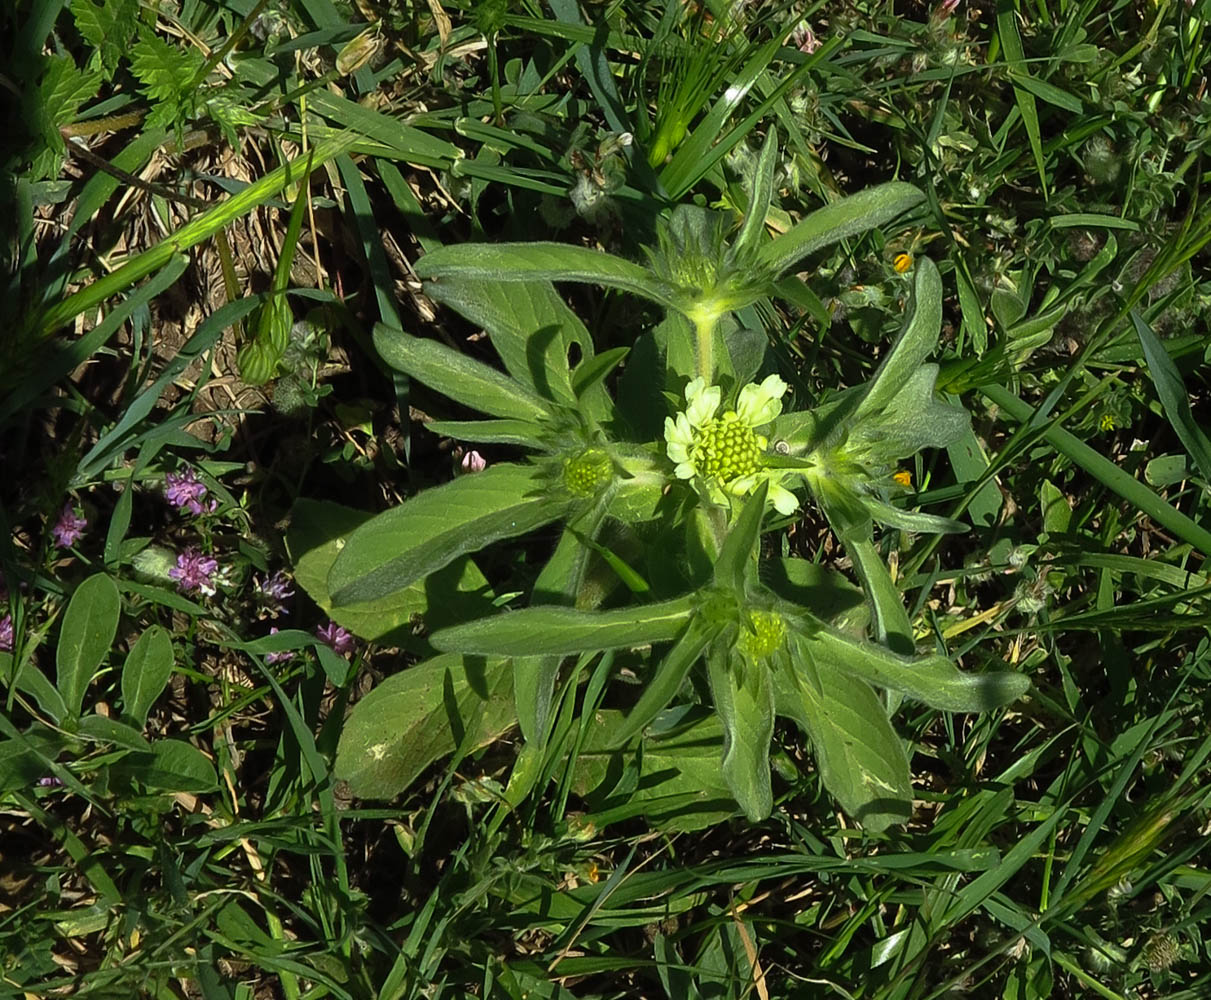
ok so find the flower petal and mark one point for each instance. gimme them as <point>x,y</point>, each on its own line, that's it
<point>704,404</point>
<point>759,404</point>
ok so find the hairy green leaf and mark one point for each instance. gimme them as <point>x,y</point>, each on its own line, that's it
<point>455,375</point>
<point>563,631</point>
<point>423,534</point>
<point>419,715</point>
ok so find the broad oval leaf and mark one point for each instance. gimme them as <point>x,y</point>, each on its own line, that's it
<point>454,593</point>
<point>146,672</point>
<point>423,534</point>
<point>87,633</point>
<point>171,766</point>
<point>419,715</point>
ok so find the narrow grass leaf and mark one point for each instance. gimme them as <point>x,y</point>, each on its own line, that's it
<point>1173,396</point>
<point>1106,472</point>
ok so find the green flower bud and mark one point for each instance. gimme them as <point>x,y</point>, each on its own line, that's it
<point>767,637</point>
<point>588,473</point>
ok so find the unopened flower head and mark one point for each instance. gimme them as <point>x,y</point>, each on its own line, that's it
<point>725,450</point>
<point>69,529</point>
<point>588,473</point>
<point>767,636</point>
<point>194,571</point>
<point>185,491</point>
<point>338,638</point>
<point>473,461</point>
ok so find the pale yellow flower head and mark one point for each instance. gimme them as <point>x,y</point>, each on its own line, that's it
<point>724,450</point>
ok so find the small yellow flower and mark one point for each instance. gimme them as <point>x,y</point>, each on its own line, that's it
<point>904,478</point>
<point>902,262</point>
<point>1107,422</point>
<point>724,449</point>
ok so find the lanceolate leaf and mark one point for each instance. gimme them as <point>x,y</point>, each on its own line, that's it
<point>423,534</point>
<point>847,217</point>
<point>934,680</point>
<point>564,631</point>
<point>530,326</point>
<point>861,759</point>
<point>455,375</point>
<point>739,548</point>
<point>517,432</point>
<point>753,229</point>
<point>545,261</point>
<point>665,682</point>
<point>744,699</point>
<point>912,347</point>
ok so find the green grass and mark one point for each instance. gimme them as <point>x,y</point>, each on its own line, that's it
<point>1058,847</point>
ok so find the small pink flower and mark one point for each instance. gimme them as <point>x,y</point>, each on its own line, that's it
<point>282,655</point>
<point>194,571</point>
<point>473,461</point>
<point>336,637</point>
<point>69,529</point>
<point>6,633</point>
<point>185,491</point>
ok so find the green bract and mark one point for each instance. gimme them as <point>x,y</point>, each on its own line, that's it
<point>651,465</point>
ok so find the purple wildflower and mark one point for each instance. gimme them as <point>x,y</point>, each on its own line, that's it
<point>50,781</point>
<point>185,491</point>
<point>473,461</point>
<point>6,633</point>
<point>194,571</point>
<point>275,590</point>
<point>282,655</point>
<point>336,637</point>
<point>69,529</point>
